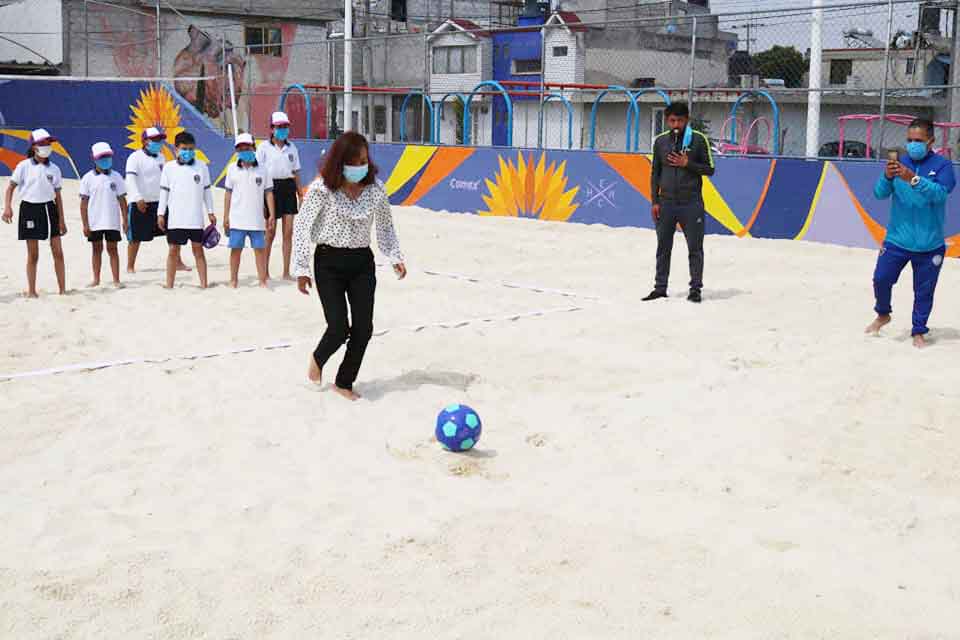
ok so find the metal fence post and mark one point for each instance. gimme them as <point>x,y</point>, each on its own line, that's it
<point>543,86</point>
<point>693,64</point>
<point>886,74</point>
<point>223,85</point>
<point>424,105</point>
<point>86,40</point>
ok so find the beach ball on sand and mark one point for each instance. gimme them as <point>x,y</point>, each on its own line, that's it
<point>458,427</point>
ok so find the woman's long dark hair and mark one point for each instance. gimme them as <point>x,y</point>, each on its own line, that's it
<point>345,150</point>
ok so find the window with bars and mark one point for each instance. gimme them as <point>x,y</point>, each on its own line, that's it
<point>263,40</point>
<point>524,67</point>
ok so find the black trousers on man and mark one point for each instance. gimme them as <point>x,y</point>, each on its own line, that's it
<point>690,215</point>
<point>345,276</point>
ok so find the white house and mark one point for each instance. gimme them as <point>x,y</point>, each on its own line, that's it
<point>461,57</point>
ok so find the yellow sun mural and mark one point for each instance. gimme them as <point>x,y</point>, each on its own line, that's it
<point>525,190</point>
<point>156,108</point>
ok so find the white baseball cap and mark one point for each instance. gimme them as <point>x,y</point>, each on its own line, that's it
<point>153,133</point>
<point>101,150</point>
<point>243,138</point>
<point>279,119</point>
<point>40,136</point>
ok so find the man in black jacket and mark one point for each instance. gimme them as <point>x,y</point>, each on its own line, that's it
<point>681,157</point>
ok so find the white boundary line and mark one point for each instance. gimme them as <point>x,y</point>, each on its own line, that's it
<point>449,324</point>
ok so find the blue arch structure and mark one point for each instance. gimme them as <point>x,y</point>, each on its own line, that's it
<point>776,117</point>
<point>636,97</point>
<point>306,99</point>
<point>632,112</point>
<point>403,114</point>
<point>569,106</point>
<point>466,110</point>
<point>438,107</point>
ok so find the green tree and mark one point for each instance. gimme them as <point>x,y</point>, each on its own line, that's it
<point>785,63</point>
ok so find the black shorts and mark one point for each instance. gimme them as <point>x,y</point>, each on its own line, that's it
<point>142,226</point>
<point>180,237</point>
<point>284,198</point>
<point>110,235</point>
<point>38,221</point>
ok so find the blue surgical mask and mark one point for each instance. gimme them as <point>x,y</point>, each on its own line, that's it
<point>104,164</point>
<point>281,134</point>
<point>154,147</point>
<point>355,173</point>
<point>186,155</point>
<point>247,156</point>
<point>917,150</point>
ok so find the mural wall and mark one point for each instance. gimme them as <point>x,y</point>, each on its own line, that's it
<point>123,46</point>
<point>819,201</point>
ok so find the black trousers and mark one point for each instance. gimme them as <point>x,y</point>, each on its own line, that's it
<point>345,276</point>
<point>690,216</point>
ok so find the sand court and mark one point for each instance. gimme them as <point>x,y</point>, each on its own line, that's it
<point>751,467</point>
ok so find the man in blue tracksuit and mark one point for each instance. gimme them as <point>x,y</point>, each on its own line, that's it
<point>919,183</point>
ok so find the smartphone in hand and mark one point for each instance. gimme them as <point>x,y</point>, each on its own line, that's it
<point>893,155</point>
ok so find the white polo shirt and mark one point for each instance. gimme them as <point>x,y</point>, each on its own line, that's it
<point>280,162</point>
<point>38,182</point>
<point>185,194</point>
<point>247,186</point>
<point>143,176</point>
<point>102,191</point>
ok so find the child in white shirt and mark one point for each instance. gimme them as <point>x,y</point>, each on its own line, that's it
<point>248,188</point>
<point>184,199</point>
<point>103,205</point>
<point>41,208</point>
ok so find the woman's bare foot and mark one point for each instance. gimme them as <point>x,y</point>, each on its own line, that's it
<point>264,285</point>
<point>349,394</point>
<point>314,373</point>
<point>94,284</point>
<point>131,270</point>
<point>118,285</point>
<point>919,341</point>
<point>183,267</point>
<point>234,284</point>
<point>875,326</point>
<point>29,294</point>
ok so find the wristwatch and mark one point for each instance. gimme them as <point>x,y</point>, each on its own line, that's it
<point>914,181</point>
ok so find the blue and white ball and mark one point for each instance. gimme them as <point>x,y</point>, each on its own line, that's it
<point>458,427</point>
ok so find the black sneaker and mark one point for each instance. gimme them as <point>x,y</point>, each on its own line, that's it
<point>694,296</point>
<point>655,295</point>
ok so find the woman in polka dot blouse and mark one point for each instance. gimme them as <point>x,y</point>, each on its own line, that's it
<point>332,246</point>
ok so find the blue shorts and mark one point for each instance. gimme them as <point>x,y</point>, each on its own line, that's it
<point>238,236</point>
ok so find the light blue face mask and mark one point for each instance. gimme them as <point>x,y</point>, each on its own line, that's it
<point>186,155</point>
<point>281,134</point>
<point>154,147</point>
<point>687,137</point>
<point>104,164</point>
<point>917,150</point>
<point>355,173</point>
<point>247,156</point>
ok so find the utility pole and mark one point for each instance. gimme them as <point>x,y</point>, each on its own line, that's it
<point>816,69</point>
<point>955,69</point>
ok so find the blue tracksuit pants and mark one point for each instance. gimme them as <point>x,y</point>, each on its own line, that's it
<point>926,270</point>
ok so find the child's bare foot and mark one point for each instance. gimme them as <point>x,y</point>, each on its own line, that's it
<point>118,285</point>
<point>919,341</point>
<point>131,270</point>
<point>234,284</point>
<point>314,373</point>
<point>95,283</point>
<point>264,285</point>
<point>349,394</point>
<point>875,326</point>
<point>29,294</point>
